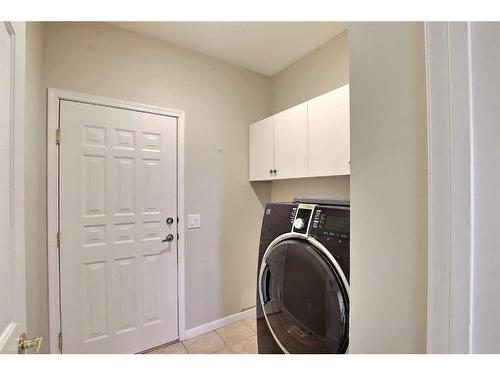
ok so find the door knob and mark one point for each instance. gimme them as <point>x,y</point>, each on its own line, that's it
<point>169,238</point>
<point>270,171</point>
<point>170,221</point>
<point>274,171</point>
<point>23,344</point>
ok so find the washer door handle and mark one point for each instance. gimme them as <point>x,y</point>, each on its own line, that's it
<point>265,284</point>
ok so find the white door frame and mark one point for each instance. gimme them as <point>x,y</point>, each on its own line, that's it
<point>17,33</point>
<point>54,98</point>
<point>450,187</point>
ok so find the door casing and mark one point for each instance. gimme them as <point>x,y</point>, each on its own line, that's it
<point>16,31</point>
<point>450,188</point>
<point>53,99</point>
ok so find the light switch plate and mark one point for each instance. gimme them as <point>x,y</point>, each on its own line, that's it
<point>194,221</point>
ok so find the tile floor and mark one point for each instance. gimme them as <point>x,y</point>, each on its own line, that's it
<point>236,338</point>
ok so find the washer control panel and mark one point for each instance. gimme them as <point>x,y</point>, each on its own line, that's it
<point>299,223</point>
<point>293,214</point>
<point>331,222</point>
<point>302,218</point>
<point>318,220</point>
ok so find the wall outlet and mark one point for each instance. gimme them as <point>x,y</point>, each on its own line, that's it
<point>194,221</point>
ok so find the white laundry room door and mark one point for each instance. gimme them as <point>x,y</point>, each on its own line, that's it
<point>118,229</point>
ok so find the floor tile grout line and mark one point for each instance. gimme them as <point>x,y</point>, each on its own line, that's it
<point>237,342</point>
<point>216,334</point>
<point>249,325</point>
<point>184,346</point>
<point>227,345</point>
<point>219,336</point>
<point>206,333</point>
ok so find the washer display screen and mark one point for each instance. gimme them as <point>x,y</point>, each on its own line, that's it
<point>337,223</point>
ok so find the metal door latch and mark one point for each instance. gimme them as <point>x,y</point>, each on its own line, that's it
<point>169,238</point>
<point>23,344</point>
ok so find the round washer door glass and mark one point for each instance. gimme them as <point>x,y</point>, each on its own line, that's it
<point>304,299</point>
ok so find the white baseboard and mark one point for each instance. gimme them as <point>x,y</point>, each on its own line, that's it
<point>210,326</point>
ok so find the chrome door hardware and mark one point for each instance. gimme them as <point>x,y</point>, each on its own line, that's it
<point>23,344</point>
<point>170,221</point>
<point>274,172</point>
<point>169,238</point>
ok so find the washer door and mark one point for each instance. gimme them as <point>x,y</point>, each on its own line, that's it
<point>304,296</point>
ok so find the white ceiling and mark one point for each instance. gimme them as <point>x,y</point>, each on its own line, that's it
<point>264,47</point>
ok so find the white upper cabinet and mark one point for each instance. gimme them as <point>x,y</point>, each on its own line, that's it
<point>261,150</point>
<point>311,139</point>
<point>328,134</point>
<point>290,142</point>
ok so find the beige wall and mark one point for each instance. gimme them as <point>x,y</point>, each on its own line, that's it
<point>287,190</point>
<point>35,189</point>
<point>388,188</point>
<point>322,70</point>
<point>219,100</point>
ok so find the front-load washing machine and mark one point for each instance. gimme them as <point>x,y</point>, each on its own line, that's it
<point>303,278</point>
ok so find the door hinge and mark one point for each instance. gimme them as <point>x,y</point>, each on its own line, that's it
<point>58,239</point>
<point>58,136</point>
<point>60,341</point>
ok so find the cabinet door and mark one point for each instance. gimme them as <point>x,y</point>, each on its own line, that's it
<point>261,150</point>
<point>328,133</point>
<point>290,142</point>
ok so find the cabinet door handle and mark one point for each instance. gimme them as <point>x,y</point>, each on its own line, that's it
<point>270,171</point>
<point>274,171</point>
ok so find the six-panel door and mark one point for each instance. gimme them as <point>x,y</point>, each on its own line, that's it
<point>117,189</point>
